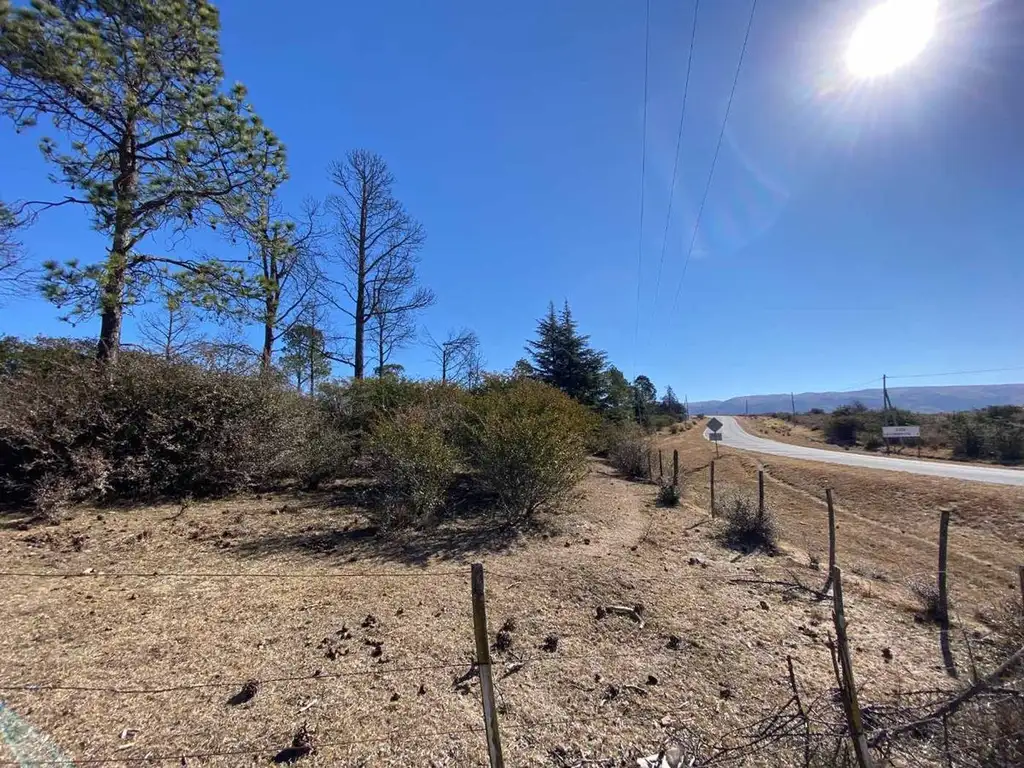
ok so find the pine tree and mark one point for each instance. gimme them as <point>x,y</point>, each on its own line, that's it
<point>150,140</point>
<point>671,403</point>
<point>305,356</point>
<point>563,358</point>
<point>644,396</point>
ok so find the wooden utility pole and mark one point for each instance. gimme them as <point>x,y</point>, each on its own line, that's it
<point>675,479</point>
<point>792,405</point>
<point>746,407</point>
<point>483,661</point>
<point>848,682</point>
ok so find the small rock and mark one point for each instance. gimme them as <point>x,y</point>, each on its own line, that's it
<point>674,642</point>
<point>725,692</point>
<point>887,654</point>
<point>567,545</point>
<point>369,621</point>
<point>246,694</point>
<point>550,644</point>
<point>400,611</point>
<point>586,541</point>
<point>422,691</point>
<point>764,606</point>
<point>395,696</point>
<point>601,612</point>
<point>378,650</point>
<point>652,680</point>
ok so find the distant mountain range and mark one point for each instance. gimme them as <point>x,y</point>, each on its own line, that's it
<point>920,399</point>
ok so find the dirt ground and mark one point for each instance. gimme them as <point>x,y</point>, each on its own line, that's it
<point>140,624</point>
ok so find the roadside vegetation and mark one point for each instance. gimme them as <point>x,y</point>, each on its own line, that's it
<point>994,434</point>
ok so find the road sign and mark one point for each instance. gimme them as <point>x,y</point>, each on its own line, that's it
<point>714,424</point>
<point>901,431</point>
<point>715,436</point>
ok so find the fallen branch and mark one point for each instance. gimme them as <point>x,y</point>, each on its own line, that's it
<point>955,703</point>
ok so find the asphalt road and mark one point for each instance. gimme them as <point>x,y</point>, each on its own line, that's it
<point>734,436</point>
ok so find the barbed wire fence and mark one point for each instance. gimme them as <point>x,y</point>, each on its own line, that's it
<point>979,724</point>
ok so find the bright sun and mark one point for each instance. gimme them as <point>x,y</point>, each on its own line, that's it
<point>890,35</point>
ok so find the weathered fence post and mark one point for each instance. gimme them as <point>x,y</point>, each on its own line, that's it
<point>831,539</point>
<point>712,488</point>
<point>483,661</point>
<point>650,465</point>
<point>760,494</point>
<point>675,480</point>
<point>661,466</point>
<point>1020,574</point>
<point>849,683</point>
<point>943,606</point>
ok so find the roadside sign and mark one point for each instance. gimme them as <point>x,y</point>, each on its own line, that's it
<point>901,431</point>
<point>714,424</point>
<point>714,436</point>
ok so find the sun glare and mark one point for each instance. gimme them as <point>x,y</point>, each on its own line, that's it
<point>890,35</point>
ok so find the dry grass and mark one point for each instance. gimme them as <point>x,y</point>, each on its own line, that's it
<point>715,635</point>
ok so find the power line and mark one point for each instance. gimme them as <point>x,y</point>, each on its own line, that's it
<point>679,142</point>
<point>718,149</point>
<point>957,373</point>
<point>643,177</point>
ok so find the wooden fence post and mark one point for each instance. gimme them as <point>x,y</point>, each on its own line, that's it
<point>831,539</point>
<point>483,661</point>
<point>1020,574</point>
<point>849,683</point>
<point>650,465</point>
<point>760,494</point>
<point>712,488</point>
<point>661,466</point>
<point>675,482</point>
<point>943,606</point>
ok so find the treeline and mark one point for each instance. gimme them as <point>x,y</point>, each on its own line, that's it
<point>148,139</point>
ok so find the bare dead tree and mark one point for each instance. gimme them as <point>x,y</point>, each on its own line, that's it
<point>393,324</point>
<point>458,356</point>
<point>172,333</point>
<point>285,257</point>
<point>377,247</point>
<point>12,252</point>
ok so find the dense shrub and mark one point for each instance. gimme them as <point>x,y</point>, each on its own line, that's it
<point>630,452</point>
<point>668,495</point>
<point>414,462</point>
<point>742,527</point>
<point>1008,442</point>
<point>527,443</point>
<point>147,428</point>
<point>965,437</point>
<point>841,429</point>
<point>873,443</point>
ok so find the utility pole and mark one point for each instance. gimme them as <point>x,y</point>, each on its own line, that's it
<point>746,407</point>
<point>792,403</point>
<point>886,407</point>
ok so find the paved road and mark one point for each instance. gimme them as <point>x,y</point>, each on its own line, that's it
<point>733,435</point>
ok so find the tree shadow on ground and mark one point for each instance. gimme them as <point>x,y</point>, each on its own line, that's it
<point>344,532</point>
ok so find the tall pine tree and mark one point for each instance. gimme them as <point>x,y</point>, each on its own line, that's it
<point>563,357</point>
<point>149,140</point>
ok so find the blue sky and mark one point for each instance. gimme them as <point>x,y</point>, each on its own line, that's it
<point>851,229</point>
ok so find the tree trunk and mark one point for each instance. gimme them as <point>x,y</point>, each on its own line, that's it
<point>112,313</point>
<point>380,347</point>
<point>361,291</point>
<point>112,293</point>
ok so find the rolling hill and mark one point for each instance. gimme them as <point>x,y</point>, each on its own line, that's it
<point>920,399</point>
